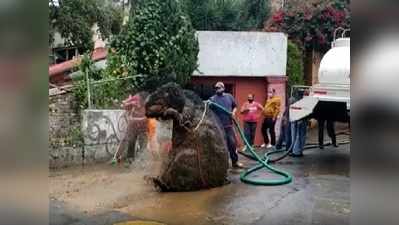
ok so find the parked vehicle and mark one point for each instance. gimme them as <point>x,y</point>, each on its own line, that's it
<point>330,97</point>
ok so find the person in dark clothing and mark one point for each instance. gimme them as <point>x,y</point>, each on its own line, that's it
<point>327,112</point>
<point>228,102</point>
<point>330,132</point>
<point>285,131</point>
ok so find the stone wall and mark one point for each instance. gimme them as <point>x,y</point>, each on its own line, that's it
<point>76,139</point>
<point>64,130</point>
<point>93,136</point>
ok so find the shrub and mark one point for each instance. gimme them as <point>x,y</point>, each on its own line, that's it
<point>157,45</point>
<point>312,24</point>
<point>294,65</point>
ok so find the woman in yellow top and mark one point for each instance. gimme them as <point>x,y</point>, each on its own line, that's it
<point>270,112</point>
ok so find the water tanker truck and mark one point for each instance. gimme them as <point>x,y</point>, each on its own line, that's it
<point>330,97</point>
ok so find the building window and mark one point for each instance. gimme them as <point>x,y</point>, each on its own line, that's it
<point>60,55</point>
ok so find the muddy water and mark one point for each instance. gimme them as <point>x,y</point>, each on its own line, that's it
<point>320,177</point>
<point>98,189</point>
<point>102,188</point>
<point>177,208</point>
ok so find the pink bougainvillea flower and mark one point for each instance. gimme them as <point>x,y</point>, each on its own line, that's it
<point>321,38</point>
<point>307,14</point>
<point>278,17</point>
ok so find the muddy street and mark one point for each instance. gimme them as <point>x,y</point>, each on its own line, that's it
<point>107,194</point>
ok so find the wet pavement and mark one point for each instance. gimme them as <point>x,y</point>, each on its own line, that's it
<point>105,194</point>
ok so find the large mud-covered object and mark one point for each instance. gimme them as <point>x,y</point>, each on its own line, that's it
<point>198,158</point>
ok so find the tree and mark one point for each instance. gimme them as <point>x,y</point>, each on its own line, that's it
<point>227,14</point>
<point>294,65</point>
<point>107,94</point>
<point>224,15</point>
<point>110,20</point>
<point>254,14</point>
<point>157,45</point>
<point>74,20</point>
<point>199,13</point>
<point>312,24</point>
<point>212,14</point>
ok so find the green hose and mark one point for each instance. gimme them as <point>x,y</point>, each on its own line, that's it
<point>262,162</point>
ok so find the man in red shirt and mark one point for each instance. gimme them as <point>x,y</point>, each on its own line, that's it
<point>250,111</point>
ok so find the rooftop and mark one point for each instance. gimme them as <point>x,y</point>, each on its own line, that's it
<point>225,53</point>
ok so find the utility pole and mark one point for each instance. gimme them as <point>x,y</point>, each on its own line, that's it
<point>88,89</point>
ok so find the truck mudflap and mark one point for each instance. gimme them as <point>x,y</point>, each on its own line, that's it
<point>302,108</point>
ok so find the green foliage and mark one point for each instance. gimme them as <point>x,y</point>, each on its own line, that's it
<point>74,20</point>
<point>110,20</point>
<point>254,14</point>
<point>106,95</point>
<point>157,45</point>
<point>106,92</point>
<point>86,63</point>
<point>80,93</point>
<point>75,137</point>
<point>51,23</point>
<point>294,65</point>
<point>227,14</point>
<point>199,13</point>
<point>312,24</point>
<point>80,87</point>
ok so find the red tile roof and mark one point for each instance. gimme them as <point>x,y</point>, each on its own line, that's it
<point>56,69</point>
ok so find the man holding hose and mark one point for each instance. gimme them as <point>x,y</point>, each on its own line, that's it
<point>227,101</point>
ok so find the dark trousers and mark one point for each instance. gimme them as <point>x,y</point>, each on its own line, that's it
<point>268,126</point>
<point>231,143</point>
<point>285,136</point>
<point>249,131</point>
<point>330,131</point>
<point>131,149</point>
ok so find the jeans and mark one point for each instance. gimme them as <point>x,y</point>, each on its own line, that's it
<point>268,125</point>
<point>249,131</point>
<point>285,137</point>
<point>298,131</point>
<point>330,131</point>
<point>231,143</point>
